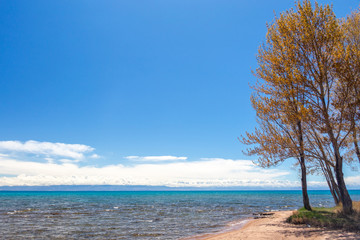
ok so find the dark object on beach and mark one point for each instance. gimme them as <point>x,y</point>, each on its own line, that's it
<point>262,215</point>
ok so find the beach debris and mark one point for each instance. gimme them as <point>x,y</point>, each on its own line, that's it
<point>262,215</point>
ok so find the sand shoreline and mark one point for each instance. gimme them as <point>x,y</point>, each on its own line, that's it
<point>275,227</point>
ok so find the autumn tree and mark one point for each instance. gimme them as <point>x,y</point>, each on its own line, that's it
<point>279,103</point>
<point>348,72</point>
<point>300,87</point>
<point>318,40</point>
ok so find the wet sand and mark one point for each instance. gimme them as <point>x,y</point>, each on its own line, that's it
<point>275,227</point>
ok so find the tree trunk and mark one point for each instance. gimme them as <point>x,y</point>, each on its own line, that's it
<point>344,194</point>
<point>326,168</point>
<point>334,190</point>
<point>335,187</point>
<point>303,168</point>
<point>304,185</point>
<point>333,193</point>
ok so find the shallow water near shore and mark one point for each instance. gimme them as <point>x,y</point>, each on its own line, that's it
<point>139,215</point>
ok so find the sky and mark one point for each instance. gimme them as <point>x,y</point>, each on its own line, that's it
<point>135,93</point>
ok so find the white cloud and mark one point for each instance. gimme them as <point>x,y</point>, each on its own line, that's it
<point>94,156</point>
<point>204,173</point>
<point>49,160</point>
<point>49,149</point>
<point>69,160</point>
<point>352,181</point>
<point>155,158</point>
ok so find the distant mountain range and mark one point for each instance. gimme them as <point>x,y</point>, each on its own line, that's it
<point>131,188</point>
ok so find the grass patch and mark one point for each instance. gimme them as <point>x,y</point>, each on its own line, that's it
<point>331,218</point>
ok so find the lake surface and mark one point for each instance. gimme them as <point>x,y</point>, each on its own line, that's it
<point>139,215</point>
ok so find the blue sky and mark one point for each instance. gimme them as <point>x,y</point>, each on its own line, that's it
<point>131,78</point>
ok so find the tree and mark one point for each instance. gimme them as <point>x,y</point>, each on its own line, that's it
<point>301,94</point>
<point>348,72</point>
<point>318,40</point>
<point>279,104</point>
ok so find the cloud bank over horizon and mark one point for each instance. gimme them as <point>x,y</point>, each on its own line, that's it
<point>171,171</point>
<point>156,158</point>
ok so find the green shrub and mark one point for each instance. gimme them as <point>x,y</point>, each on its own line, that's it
<point>331,218</point>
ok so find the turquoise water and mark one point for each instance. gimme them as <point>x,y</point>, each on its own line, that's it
<point>138,215</point>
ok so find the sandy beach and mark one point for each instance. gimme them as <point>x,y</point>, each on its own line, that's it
<point>275,227</point>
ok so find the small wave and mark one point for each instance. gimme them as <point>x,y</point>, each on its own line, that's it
<point>21,211</point>
<point>236,224</point>
<point>146,234</point>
